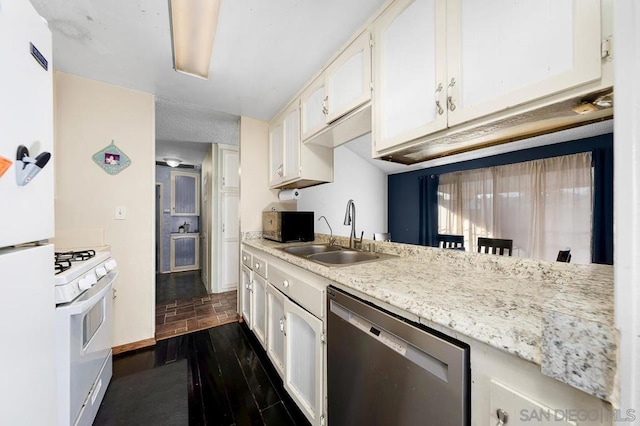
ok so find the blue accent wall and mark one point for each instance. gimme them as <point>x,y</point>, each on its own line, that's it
<point>413,215</point>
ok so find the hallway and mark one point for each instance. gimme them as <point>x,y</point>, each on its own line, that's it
<point>183,305</point>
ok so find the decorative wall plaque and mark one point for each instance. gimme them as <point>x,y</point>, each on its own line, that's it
<point>112,159</point>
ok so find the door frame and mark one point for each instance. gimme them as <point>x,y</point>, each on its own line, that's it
<point>159,227</point>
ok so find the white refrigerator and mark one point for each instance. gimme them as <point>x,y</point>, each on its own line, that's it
<point>27,314</point>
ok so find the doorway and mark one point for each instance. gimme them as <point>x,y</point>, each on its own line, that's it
<point>159,225</point>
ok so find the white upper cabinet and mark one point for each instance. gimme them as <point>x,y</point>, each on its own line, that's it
<point>342,87</point>
<point>284,148</point>
<point>185,194</point>
<point>276,154</point>
<point>348,79</point>
<point>503,53</point>
<point>230,168</point>
<point>292,164</point>
<point>442,63</point>
<point>410,72</point>
<point>313,107</point>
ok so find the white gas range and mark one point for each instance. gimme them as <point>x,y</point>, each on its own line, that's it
<point>84,327</point>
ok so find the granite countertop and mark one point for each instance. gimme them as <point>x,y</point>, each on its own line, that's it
<point>556,315</point>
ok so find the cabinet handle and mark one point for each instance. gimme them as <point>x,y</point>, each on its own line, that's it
<point>325,109</point>
<point>223,181</point>
<point>223,227</point>
<point>503,417</point>
<point>282,330</point>
<point>285,283</point>
<point>450,103</point>
<point>280,170</point>
<point>439,108</point>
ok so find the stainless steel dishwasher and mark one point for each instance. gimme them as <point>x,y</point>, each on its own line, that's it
<point>382,370</point>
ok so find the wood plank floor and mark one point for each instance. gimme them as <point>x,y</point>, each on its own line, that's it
<point>231,381</point>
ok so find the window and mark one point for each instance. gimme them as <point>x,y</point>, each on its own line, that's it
<point>543,205</point>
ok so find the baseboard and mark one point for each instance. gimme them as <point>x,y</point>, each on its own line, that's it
<point>133,346</point>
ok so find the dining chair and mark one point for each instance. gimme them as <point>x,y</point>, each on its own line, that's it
<point>495,246</point>
<point>564,255</point>
<point>455,242</point>
<point>382,236</point>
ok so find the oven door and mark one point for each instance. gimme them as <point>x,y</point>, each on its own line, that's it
<point>88,322</point>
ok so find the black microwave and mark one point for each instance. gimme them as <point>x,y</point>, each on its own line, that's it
<point>287,226</point>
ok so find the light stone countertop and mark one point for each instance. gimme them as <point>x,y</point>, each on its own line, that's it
<point>556,315</point>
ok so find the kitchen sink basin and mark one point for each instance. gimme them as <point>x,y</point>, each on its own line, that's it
<point>311,249</point>
<point>330,255</point>
<point>343,257</point>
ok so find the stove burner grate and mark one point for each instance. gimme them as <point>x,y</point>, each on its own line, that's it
<point>62,265</point>
<point>75,256</point>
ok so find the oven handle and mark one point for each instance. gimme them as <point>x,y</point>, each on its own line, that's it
<point>83,306</point>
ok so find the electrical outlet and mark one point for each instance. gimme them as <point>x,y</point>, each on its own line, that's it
<point>121,213</point>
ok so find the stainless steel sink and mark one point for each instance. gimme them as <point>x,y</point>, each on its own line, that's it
<point>344,257</point>
<point>311,249</point>
<point>330,255</point>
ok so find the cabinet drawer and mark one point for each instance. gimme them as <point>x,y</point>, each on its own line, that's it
<point>309,296</point>
<point>259,266</point>
<point>247,259</point>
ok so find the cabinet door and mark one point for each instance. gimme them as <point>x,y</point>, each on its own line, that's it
<point>410,77</point>
<point>258,300</point>
<point>230,168</point>
<point>276,158</point>
<point>185,253</point>
<point>348,78</point>
<point>185,196</point>
<point>291,126</point>
<point>313,108</point>
<point>304,360</point>
<point>503,53</point>
<point>245,302</point>
<point>275,328</point>
<point>229,244</point>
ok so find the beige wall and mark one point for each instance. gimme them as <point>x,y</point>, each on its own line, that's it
<point>255,194</point>
<point>88,115</point>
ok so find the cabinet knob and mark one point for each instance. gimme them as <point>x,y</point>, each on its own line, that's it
<point>257,266</point>
<point>286,284</point>
<point>244,258</point>
<point>503,417</point>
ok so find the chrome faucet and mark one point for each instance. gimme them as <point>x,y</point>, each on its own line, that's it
<point>331,239</point>
<point>350,219</point>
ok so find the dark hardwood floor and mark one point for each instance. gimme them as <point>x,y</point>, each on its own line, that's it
<point>230,380</point>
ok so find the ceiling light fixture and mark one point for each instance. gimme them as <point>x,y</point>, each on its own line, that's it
<point>193,28</point>
<point>172,162</point>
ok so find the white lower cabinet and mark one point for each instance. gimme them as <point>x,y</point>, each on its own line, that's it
<point>258,302</point>
<point>285,311</point>
<point>304,365</point>
<point>246,289</point>
<point>275,328</point>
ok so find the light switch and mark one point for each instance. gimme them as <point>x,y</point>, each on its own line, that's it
<point>121,213</point>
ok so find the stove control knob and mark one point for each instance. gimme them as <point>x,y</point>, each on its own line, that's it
<point>86,282</point>
<point>101,271</point>
<point>111,265</point>
<point>91,277</point>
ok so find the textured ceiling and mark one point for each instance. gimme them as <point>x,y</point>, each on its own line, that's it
<point>189,152</point>
<point>264,51</point>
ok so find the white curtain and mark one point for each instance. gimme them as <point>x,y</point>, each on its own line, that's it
<point>543,206</point>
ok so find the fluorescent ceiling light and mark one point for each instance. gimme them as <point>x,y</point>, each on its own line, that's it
<point>193,28</point>
<point>172,162</point>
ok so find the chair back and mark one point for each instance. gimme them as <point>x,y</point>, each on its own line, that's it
<point>455,242</point>
<point>382,236</point>
<point>564,256</point>
<point>495,246</point>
